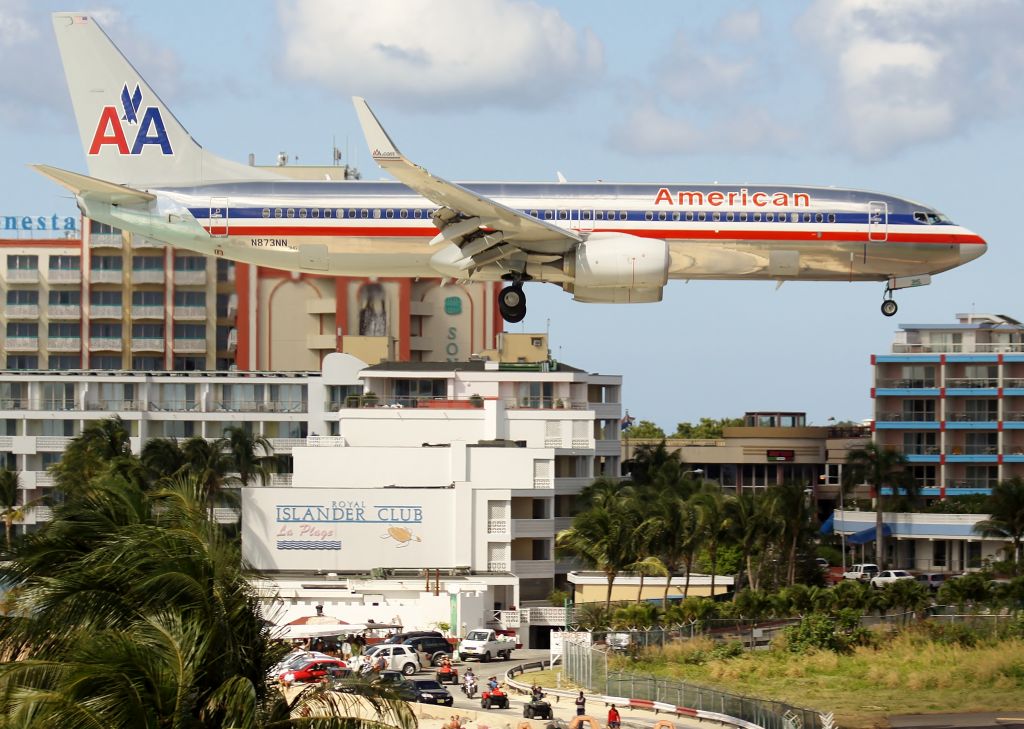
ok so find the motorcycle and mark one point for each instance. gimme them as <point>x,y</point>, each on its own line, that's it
<point>469,688</point>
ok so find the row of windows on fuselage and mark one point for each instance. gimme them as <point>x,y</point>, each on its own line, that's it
<point>586,215</point>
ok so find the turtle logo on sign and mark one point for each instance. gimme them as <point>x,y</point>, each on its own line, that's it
<point>402,535</point>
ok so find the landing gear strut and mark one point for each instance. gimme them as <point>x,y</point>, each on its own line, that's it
<point>512,302</point>
<point>889,307</point>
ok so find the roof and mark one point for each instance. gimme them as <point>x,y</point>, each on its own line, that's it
<point>476,365</point>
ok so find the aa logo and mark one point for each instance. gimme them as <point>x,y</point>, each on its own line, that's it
<point>115,126</point>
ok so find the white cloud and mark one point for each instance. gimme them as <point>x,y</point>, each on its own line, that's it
<point>487,52</point>
<point>740,26</point>
<point>910,72</point>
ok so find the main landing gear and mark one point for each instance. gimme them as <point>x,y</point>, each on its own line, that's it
<point>889,307</point>
<point>512,301</point>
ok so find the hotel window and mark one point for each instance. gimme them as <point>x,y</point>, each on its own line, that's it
<point>918,411</point>
<point>147,331</point>
<point>147,298</point>
<point>64,330</point>
<point>65,298</point>
<point>22,362</point>
<point>189,263</point>
<point>23,263</point>
<point>189,298</point>
<point>104,298</point>
<point>22,297</point>
<point>105,362</point>
<point>189,364</point>
<point>147,363</point>
<point>64,362</point>
<point>106,263</point>
<point>105,330</point>
<point>22,329</point>
<point>189,331</point>
<point>96,226</point>
<point>147,263</point>
<point>65,263</point>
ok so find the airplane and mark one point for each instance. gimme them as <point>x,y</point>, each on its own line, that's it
<point>601,242</point>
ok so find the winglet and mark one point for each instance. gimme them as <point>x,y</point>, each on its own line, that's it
<point>380,144</point>
<point>93,188</point>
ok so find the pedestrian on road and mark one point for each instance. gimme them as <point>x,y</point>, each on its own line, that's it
<point>613,718</point>
<point>581,705</point>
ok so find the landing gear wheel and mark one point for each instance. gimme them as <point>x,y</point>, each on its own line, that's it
<point>889,307</point>
<point>512,303</point>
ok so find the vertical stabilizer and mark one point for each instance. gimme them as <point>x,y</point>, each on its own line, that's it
<point>128,134</point>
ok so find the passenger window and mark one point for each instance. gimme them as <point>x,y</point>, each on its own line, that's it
<point>807,217</point>
<point>277,212</point>
<point>716,216</point>
<point>403,214</point>
<point>702,216</point>
<point>266,212</point>
<point>689,215</point>
<point>648,215</point>
<point>533,214</point>
<point>599,215</point>
<point>548,215</point>
<point>795,217</point>
<point>417,213</point>
<point>730,217</point>
<point>819,218</point>
<point>831,217</point>
<point>623,215</point>
<point>291,212</point>
<point>315,212</point>
<point>327,212</point>
<point>675,215</point>
<point>563,214</point>
<point>302,212</point>
<point>920,217</point>
<point>769,217</point>
<point>585,215</point>
<point>364,213</point>
<point>351,213</point>
<point>757,217</point>
<point>389,213</point>
<point>662,215</point>
<point>376,213</point>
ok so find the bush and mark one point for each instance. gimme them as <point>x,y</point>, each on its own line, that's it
<point>558,597</point>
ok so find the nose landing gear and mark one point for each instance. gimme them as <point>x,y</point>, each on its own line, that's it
<point>889,307</point>
<point>512,302</point>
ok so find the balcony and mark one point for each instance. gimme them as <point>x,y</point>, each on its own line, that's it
<point>106,240</point>
<point>64,311</point>
<point>112,405</point>
<point>148,276</point>
<point>906,418</point>
<point>285,445</point>
<point>190,278</point>
<point>64,344</point>
<point>52,443</point>
<point>189,346</point>
<point>544,403</point>
<point>106,276</point>
<point>920,450</point>
<point>961,383</point>
<point>13,403</point>
<point>530,528</point>
<point>190,313</point>
<point>325,441</point>
<point>22,275</point>
<point>148,345</point>
<point>141,241</point>
<point>64,276</point>
<point>974,450</point>
<point>22,344</point>
<point>982,417</point>
<point>497,526</point>
<point>280,480</point>
<point>497,566</point>
<point>60,404</point>
<point>974,484</point>
<point>106,312</point>
<point>105,344</point>
<point>285,406</point>
<point>174,406</point>
<point>906,384</point>
<point>527,568</point>
<point>147,312</point>
<point>44,479</point>
<point>22,311</point>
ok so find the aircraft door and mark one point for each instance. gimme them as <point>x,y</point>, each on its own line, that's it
<point>219,217</point>
<point>878,221</point>
<point>582,219</point>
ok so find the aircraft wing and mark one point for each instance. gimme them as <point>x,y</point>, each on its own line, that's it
<point>472,212</point>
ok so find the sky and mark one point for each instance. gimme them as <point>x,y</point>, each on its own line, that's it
<point>922,99</point>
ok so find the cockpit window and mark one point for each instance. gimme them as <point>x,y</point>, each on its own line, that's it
<point>920,217</point>
<point>930,217</point>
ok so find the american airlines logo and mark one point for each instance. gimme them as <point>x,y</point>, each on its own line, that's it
<point>741,197</point>
<point>111,127</point>
<point>377,154</point>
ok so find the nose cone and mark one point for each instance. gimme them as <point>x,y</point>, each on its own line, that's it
<point>975,249</point>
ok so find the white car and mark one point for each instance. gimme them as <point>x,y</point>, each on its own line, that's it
<point>887,577</point>
<point>402,658</point>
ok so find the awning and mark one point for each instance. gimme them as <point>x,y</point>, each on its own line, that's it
<point>826,526</point>
<point>315,631</point>
<point>868,535</point>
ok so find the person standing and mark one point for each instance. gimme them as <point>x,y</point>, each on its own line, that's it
<point>614,721</point>
<point>581,705</point>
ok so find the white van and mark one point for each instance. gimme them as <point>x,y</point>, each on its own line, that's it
<point>402,658</point>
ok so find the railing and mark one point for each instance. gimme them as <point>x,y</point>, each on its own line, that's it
<point>285,406</point>
<point>325,441</point>
<point>111,405</point>
<point>52,442</point>
<point>1013,382</point>
<point>543,403</point>
<point>285,445</point>
<point>13,403</point>
<point>103,275</point>
<point>106,312</point>
<point>259,406</point>
<point>998,347</point>
<point>1013,415</point>
<point>432,403</point>
<point>63,276</point>
<point>920,450</point>
<point>22,311</point>
<point>970,483</point>
<point>971,382</point>
<point>190,312</point>
<point>190,278</point>
<point>148,345</point>
<point>497,526</point>
<point>105,344</point>
<point>44,480</point>
<point>906,383</point>
<point>6,442</point>
<point>64,311</point>
<point>22,275</point>
<point>907,417</point>
<point>174,406</point>
<point>543,483</point>
<point>973,450</point>
<point>989,417</point>
<point>22,344</point>
<point>903,348</point>
<point>189,346</point>
<point>148,276</point>
<point>147,312</point>
<point>64,344</point>
<point>58,403</point>
<point>105,240</point>
<point>281,479</point>
<point>497,566</point>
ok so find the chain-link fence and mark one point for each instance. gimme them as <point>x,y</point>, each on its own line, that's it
<point>588,667</point>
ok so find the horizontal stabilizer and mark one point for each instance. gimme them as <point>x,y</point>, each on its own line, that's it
<point>94,189</point>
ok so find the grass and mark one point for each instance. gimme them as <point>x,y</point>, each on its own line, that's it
<point>906,674</point>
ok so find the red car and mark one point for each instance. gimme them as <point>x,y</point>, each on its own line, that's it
<point>312,669</point>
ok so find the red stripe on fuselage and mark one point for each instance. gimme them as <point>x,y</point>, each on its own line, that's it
<point>673,234</point>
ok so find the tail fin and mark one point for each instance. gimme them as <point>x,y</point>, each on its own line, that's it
<point>128,134</point>
<point>92,189</point>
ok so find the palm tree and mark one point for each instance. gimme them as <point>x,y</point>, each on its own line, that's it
<point>10,510</point>
<point>751,524</point>
<point>104,446</point>
<point>162,458</point>
<point>878,467</point>
<point>715,523</point>
<point>676,535</point>
<point>210,466</point>
<point>1006,514</point>
<point>791,512</point>
<point>251,455</point>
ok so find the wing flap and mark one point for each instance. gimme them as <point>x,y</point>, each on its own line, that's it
<point>92,188</point>
<point>519,229</point>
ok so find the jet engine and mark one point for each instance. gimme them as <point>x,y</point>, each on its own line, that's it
<point>616,268</point>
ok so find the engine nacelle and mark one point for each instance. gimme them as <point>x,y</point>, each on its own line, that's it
<point>617,295</point>
<point>614,260</point>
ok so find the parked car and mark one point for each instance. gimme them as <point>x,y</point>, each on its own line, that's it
<point>932,580</point>
<point>429,691</point>
<point>402,658</point>
<point>862,572</point>
<point>433,647</point>
<point>312,669</point>
<point>821,562</point>
<point>887,577</point>
<point>403,637</point>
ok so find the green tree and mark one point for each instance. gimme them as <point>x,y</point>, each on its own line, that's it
<point>677,534</point>
<point>791,512</point>
<point>10,509</point>
<point>644,429</point>
<point>706,429</point>
<point>252,456</point>
<point>879,468</point>
<point>1006,514</point>
<point>715,523</point>
<point>103,447</point>
<point>752,525</point>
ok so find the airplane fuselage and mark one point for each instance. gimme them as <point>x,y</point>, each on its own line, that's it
<point>772,232</point>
